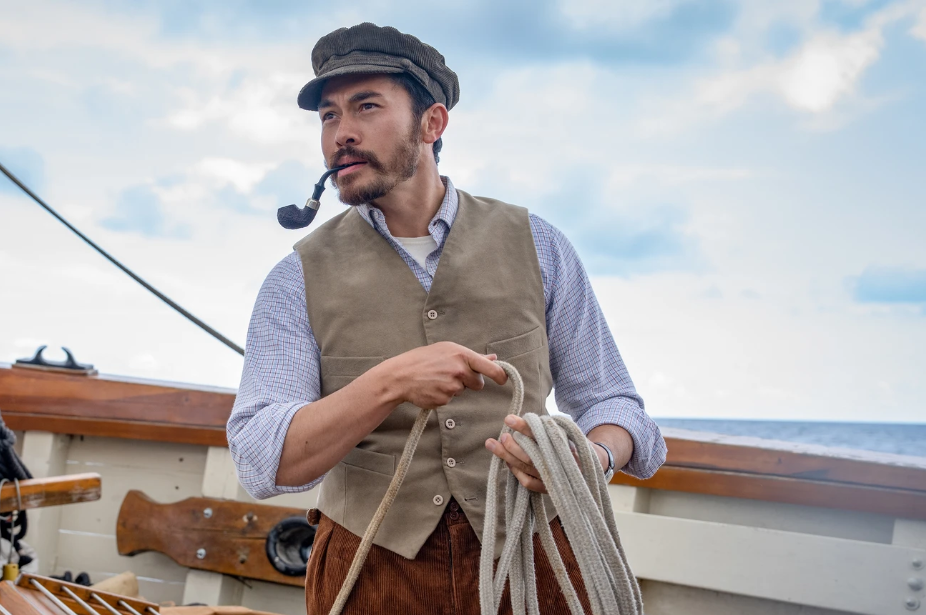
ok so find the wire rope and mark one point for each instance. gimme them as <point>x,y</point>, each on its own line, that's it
<point>199,323</point>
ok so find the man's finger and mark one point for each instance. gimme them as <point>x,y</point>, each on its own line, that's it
<point>528,481</point>
<point>505,455</point>
<point>473,380</point>
<point>518,453</point>
<point>481,364</point>
<point>518,424</point>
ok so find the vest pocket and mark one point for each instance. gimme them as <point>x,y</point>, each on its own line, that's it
<point>366,479</point>
<point>381,463</point>
<point>338,372</point>
<point>516,346</point>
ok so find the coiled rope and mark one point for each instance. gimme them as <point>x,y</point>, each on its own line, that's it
<point>580,496</point>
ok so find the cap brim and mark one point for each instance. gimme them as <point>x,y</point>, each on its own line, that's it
<point>311,92</point>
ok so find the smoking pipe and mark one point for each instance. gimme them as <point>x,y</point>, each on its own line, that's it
<point>291,217</point>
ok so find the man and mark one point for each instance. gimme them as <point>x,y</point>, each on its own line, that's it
<point>402,302</point>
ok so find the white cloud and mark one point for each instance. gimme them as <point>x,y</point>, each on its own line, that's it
<point>261,109</point>
<point>826,69</point>
<point>242,175</point>
<point>813,79</point>
<point>820,79</point>
<point>68,27</point>
<point>919,28</point>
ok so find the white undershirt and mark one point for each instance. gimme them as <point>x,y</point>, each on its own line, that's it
<point>419,248</point>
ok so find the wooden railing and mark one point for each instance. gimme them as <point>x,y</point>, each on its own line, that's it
<point>113,407</point>
<point>791,473</point>
<point>50,491</point>
<point>697,463</point>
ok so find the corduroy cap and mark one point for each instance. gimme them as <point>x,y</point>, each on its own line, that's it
<point>371,49</point>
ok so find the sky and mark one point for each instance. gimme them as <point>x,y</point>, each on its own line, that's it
<point>740,179</point>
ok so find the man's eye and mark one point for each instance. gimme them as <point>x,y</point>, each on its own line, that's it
<point>327,116</point>
<point>367,106</point>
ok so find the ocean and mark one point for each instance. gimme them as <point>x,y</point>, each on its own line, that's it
<point>897,438</point>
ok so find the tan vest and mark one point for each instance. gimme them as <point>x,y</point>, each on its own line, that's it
<point>366,305</point>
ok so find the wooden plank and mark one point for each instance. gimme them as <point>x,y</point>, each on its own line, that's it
<point>831,573</point>
<point>129,430</point>
<point>233,536</point>
<point>13,600</point>
<point>84,593</point>
<point>759,456</point>
<point>35,392</point>
<point>51,491</point>
<point>892,502</point>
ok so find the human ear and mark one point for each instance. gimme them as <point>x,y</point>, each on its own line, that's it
<point>434,123</point>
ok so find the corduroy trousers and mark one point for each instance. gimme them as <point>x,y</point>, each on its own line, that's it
<point>442,580</point>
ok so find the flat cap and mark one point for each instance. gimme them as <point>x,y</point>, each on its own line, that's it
<point>371,49</point>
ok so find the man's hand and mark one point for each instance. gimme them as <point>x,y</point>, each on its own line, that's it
<point>519,463</point>
<point>431,376</point>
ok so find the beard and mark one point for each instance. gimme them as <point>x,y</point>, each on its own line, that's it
<point>402,166</point>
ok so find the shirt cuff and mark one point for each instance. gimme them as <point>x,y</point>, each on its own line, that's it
<point>259,459</point>
<point>649,447</point>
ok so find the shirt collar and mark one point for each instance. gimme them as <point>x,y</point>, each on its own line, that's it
<point>438,226</point>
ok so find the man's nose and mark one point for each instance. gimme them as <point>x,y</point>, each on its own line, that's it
<point>347,133</point>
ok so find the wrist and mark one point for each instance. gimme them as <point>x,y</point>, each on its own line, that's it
<point>602,456</point>
<point>386,382</point>
<point>617,439</point>
<point>608,463</point>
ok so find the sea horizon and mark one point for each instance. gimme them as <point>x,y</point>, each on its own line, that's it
<point>899,438</point>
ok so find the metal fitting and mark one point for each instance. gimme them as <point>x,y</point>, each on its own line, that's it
<point>911,603</point>
<point>207,513</point>
<point>914,583</point>
<point>917,563</point>
<point>200,553</point>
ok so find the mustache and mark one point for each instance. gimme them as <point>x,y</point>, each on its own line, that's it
<point>356,154</point>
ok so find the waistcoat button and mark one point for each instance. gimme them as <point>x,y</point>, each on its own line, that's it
<point>451,462</point>
<point>438,500</point>
<point>450,423</point>
<point>432,314</point>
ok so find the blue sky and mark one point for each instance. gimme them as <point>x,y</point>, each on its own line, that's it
<point>740,178</point>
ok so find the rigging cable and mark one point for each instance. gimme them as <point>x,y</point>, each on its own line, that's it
<point>128,271</point>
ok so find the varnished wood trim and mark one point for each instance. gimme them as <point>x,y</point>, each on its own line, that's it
<point>891,502</point>
<point>16,602</point>
<point>129,430</point>
<point>36,392</point>
<point>51,491</point>
<point>794,460</point>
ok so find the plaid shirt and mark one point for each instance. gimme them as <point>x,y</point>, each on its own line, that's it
<point>281,360</point>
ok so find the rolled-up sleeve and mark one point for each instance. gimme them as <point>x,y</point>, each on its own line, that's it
<point>280,376</point>
<point>591,382</point>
